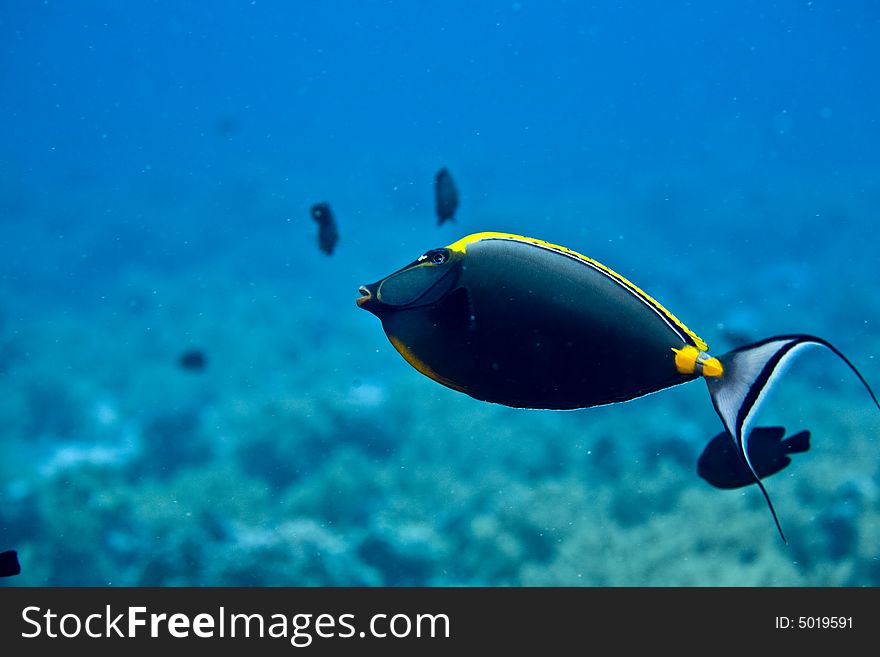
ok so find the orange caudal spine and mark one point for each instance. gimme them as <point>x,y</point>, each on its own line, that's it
<point>690,360</point>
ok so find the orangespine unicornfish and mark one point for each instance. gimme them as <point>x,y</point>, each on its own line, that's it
<point>529,324</point>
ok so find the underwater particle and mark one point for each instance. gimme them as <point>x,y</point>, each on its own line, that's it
<point>328,233</point>
<point>605,457</point>
<point>721,465</point>
<point>445,196</point>
<point>524,323</point>
<point>782,123</point>
<point>193,360</point>
<point>9,565</point>
<point>676,450</point>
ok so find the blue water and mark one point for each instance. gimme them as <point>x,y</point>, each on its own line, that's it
<point>157,167</point>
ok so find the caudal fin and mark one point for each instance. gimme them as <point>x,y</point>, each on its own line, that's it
<point>749,373</point>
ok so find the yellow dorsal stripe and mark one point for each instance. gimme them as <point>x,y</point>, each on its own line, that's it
<point>461,247</point>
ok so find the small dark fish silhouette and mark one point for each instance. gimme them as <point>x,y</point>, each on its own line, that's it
<point>193,360</point>
<point>226,125</point>
<point>445,195</point>
<point>9,565</point>
<point>721,465</point>
<point>328,233</point>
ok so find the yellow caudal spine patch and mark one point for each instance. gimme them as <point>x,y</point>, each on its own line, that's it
<point>690,360</point>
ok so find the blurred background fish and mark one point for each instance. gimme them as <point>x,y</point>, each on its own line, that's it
<point>328,233</point>
<point>445,196</point>
<point>9,565</point>
<point>769,450</point>
<point>193,360</point>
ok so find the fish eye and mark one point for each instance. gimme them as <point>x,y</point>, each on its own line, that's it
<point>437,257</point>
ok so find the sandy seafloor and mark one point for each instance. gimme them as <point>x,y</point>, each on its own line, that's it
<point>309,453</point>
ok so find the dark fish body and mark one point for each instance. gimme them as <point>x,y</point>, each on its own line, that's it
<point>530,328</point>
<point>445,196</point>
<point>9,565</point>
<point>525,323</point>
<point>328,233</point>
<point>193,360</point>
<point>720,463</point>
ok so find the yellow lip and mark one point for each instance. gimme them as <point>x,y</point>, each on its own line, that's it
<point>366,296</point>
